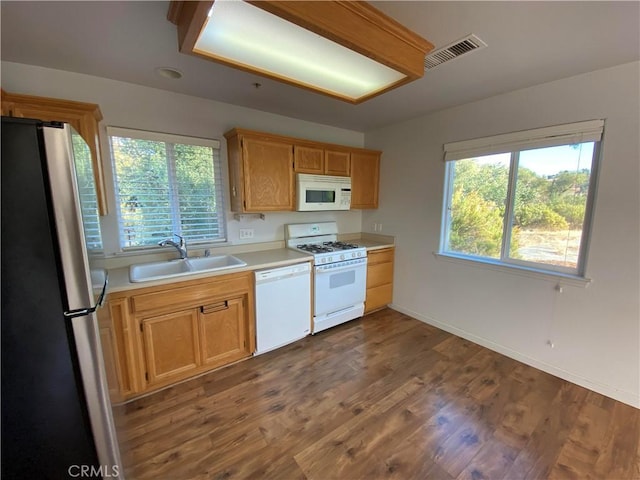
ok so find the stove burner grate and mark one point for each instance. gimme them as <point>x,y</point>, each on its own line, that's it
<point>326,247</point>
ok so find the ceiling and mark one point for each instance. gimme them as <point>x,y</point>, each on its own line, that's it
<point>528,43</point>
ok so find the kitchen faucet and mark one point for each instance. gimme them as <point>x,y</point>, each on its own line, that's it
<point>181,246</point>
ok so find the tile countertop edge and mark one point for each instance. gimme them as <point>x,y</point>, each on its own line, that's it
<point>281,257</point>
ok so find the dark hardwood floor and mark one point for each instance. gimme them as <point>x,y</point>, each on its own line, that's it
<point>385,396</point>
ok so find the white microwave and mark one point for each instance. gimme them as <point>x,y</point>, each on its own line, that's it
<point>322,192</point>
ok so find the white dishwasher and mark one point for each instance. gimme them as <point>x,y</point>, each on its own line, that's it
<point>283,306</point>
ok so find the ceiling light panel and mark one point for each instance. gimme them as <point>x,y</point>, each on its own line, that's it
<point>237,32</point>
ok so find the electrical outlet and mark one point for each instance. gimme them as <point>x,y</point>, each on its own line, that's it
<point>246,233</point>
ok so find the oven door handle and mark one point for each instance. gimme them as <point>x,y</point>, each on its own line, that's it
<point>321,270</point>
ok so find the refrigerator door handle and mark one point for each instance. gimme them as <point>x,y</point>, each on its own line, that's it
<point>81,312</point>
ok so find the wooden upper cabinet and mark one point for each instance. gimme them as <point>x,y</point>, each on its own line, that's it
<point>308,160</point>
<point>319,161</point>
<point>260,173</point>
<point>337,163</point>
<point>365,177</point>
<point>262,168</point>
<point>83,117</point>
<point>268,174</point>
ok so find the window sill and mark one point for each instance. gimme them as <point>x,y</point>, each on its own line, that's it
<point>155,249</point>
<point>556,277</point>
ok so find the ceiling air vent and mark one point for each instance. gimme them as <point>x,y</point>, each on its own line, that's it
<point>454,50</point>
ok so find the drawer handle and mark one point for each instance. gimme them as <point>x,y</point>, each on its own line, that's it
<point>216,307</point>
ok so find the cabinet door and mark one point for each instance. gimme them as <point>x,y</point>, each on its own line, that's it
<point>113,321</point>
<point>108,342</point>
<point>171,345</point>
<point>308,160</point>
<point>337,163</point>
<point>268,175</point>
<point>365,175</point>
<point>223,332</point>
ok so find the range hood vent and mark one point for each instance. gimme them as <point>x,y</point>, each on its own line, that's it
<point>470,43</point>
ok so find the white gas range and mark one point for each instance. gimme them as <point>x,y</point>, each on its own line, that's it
<point>340,272</point>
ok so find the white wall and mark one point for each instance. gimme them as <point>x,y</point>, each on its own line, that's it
<point>595,330</point>
<point>134,106</point>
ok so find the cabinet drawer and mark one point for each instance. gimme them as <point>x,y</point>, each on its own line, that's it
<point>378,297</point>
<point>380,256</point>
<point>379,274</point>
<point>194,295</point>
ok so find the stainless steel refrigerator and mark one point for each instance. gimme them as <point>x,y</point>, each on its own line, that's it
<point>56,414</point>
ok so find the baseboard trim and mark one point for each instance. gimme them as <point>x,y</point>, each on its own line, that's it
<point>621,395</point>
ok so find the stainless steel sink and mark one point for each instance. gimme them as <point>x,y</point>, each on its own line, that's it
<point>145,272</point>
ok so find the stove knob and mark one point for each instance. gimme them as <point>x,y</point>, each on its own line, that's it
<point>341,257</point>
<point>330,259</point>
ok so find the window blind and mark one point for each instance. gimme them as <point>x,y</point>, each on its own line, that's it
<point>87,195</point>
<point>566,134</point>
<point>166,184</point>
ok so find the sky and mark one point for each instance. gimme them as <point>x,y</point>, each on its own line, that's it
<point>550,160</point>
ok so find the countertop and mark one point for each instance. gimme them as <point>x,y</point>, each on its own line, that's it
<point>258,260</point>
<point>373,244</point>
<point>371,241</point>
<point>279,257</point>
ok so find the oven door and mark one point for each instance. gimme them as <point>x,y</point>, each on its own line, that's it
<point>339,285</point>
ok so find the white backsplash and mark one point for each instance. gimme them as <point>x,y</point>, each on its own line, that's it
<point>267,234</point>
<point>272,227</point>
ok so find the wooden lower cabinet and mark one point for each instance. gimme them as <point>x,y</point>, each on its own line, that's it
<point>153,337</point>
<point>171,345</point>
<point>109,350</point>
<point>223,336</point>
<point>379,279</point>
<point>117,348</point>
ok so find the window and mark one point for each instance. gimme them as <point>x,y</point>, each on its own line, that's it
<point>86,192</point>
<point>523,199</point>
<point>166,184</point>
